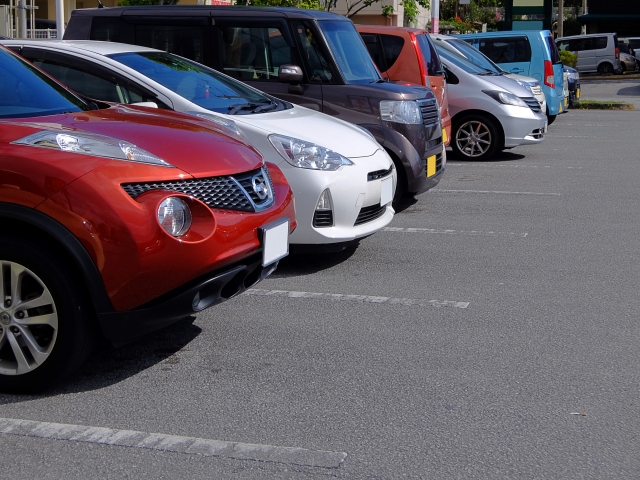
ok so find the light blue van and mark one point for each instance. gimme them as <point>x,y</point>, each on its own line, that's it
<point>526,52</point>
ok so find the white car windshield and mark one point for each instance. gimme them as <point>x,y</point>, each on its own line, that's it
<point>201,85</point>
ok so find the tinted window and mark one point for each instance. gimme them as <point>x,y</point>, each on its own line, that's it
<point>507,50</point>
<point>552,49</point>
<point>201,85</point>
<point>27,92</point>
<point>391,46</point>
<point>373,46</point>
<point>349,51</point>
<point>186,41</point>
<point>601,42</point>
<point>635,43</point>
<point>581,44</point>
<point>318,66</point>
<point>429,55</point>
<point>474,55</point>
<point>254,53</point>
<point>91,83</point>
<point>111,30</point>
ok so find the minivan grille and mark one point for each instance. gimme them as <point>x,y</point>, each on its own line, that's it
<point>429,109</point>
<point>368,214</point>
<point>234,192</point>
<point>533,103</point>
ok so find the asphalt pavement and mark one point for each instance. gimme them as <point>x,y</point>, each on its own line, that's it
<point>490,332</point>
<point>618,89</point>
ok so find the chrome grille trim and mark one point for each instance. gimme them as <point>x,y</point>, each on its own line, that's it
<point>532,103</point>
<point>233,192</point>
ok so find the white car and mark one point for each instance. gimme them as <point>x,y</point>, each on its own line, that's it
<point>476,56</point>
<point>343,180</point>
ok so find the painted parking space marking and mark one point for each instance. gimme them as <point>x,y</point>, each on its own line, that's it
<point>444,231</point>
<point>357,298</point>
<point>508,165</point>
<point>438,190</point>
<point>172,443</point>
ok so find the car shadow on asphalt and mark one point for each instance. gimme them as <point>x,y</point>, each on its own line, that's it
<point>109,365</point>
<point>502,156</point>
<point>306,264</point>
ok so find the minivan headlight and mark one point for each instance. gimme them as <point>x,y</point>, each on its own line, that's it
<point>506,98</point>
<point>400,111</point>
<point>91,144</point>
<point>303,154</point>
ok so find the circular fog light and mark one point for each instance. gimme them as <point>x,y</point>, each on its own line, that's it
<point>174,216</point>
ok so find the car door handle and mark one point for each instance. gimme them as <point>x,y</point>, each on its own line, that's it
<point>517,70</point>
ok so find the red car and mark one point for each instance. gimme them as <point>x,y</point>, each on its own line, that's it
<point>119,220</point>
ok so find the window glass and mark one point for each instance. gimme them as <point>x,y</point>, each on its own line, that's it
<point>391,46</point>
<point>563,45</point>
<point>349,51</point>
<point>601,42</point>
<point>89,84</point>
<point>317,63</point>
<point>373,46</point>
<point>552,49</point>
<point>429,55</point>
<point>199,84</point>
<point>111,29</point>
<point>26,92</point>
<point>508,50</point>
<point>460,61</point>
<point>186,41</point>
<point>581,44</point>
<point>474,55</point>
<point>254,53</point>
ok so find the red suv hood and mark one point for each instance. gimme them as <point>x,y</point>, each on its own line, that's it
<point>193,145</point>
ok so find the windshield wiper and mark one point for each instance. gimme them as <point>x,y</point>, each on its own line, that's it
<point>252,107</point>
<point>381,80</point>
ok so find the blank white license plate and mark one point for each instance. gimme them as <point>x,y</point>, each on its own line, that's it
<point>386,190</point>
<point>275,242</point>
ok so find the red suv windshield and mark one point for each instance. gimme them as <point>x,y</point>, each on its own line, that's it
<point>27,92</point>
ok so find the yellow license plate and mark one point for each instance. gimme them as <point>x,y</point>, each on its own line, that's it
<point>444,136</point>
<point>577,93</point>
<point>431,166</point>
<point>566,102</point>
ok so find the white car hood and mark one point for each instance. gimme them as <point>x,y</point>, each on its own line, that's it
<point>306,124</point>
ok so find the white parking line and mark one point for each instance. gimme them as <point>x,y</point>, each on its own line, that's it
<point>453,232</point>
<point>172,443</point>
<point>437,190</point>
<point>357,298</point>
<point>507,165</point>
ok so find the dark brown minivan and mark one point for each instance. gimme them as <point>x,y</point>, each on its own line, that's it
<point>311,58</point>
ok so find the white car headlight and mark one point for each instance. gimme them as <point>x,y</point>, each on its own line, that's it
<point>400,111</point>
<point>174,216</point>
<point>91,144</point>
<point>506,98</point>
<point>230,125</point>
<point>303,154</point>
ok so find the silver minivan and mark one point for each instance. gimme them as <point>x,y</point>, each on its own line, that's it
<point>597,52</point>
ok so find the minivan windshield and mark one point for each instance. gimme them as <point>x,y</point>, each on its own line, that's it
<point>475,56</point>
<point>201,85</point>
<point>351,55</point>
<point>27,92</point>
<point>462,62</point>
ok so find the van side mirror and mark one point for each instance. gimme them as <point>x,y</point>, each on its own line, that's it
<point>290,74</point>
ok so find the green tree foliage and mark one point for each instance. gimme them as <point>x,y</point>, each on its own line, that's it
<point>569,59</point>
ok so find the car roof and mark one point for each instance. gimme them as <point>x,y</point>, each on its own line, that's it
<point>508,33</point>
<point>208,10</point>
<point>586,35</point>
<point>78,46</point>
<point>390,28</point>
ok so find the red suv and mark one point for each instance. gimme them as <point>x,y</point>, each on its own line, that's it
<point>119,220</point>
<point>408,55</point>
